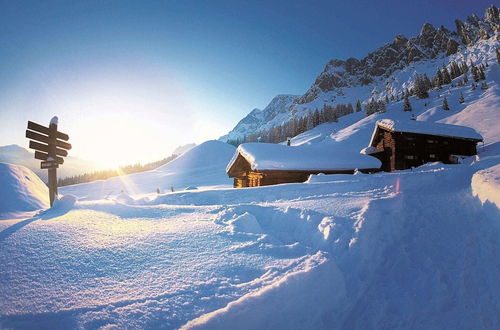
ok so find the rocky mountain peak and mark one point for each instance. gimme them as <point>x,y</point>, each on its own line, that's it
<point>428,44</point>
<point>427,30</point>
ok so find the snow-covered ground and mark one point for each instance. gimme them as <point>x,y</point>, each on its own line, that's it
<point>409,249</point>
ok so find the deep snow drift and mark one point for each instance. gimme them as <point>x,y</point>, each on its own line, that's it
<point>21,190</point>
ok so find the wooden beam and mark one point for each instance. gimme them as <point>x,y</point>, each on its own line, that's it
<point>45,139</point>
<point>39,146</point>
<point>43,156</point>
<point>63,145</point>
<point>37,137</point>
<point>45,130</point>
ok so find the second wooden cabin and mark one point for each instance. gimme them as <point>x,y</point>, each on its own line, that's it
<point>405,144</point>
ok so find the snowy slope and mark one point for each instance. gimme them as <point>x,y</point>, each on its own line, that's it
<point>202,165</point>
<point>291,256</point>
<point>21,190</point>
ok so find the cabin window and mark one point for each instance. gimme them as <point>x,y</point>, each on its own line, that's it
<point>431,141</point>
<point>410,157</point>
<point>409,138</point>
<point>432,156</point>
<point>445,142</point>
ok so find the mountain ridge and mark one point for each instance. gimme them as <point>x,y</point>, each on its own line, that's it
<point>374,75</point>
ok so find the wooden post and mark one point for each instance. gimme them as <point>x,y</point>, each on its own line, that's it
<point>52,156</point>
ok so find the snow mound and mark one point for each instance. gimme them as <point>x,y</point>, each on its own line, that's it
<point>22,190</point>
<point>208,154</point>
<point>486,185</point>
<point>246,223</point>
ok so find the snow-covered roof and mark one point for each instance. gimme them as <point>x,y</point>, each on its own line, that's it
<point>424,127</point>
<point>269,156</point>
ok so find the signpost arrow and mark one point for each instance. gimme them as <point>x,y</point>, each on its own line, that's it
<point>48,144</point>
<point>49,164</point>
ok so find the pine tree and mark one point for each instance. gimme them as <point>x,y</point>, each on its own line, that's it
<point>358,106</point>
<point>438,80</point>
<point>465,67</point>
<point>421,85</point>
<point>446,76</point>
<point>445,104</point>
<point>466,79</point>
<point>461,98</point>
<point>407,104</point>
<point>381,107</point>
<point>370,107</point>
<point>498,55</point>
<point>473,86</point>
<point>484,85</point>
<point>482,76</point>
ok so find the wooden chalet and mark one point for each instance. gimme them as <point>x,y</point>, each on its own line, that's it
<point>402,145</point>
<point>262,164</point>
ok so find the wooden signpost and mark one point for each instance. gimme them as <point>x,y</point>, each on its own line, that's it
<point>50,147</point>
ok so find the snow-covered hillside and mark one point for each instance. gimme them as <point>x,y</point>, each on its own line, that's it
<point>200,166</point>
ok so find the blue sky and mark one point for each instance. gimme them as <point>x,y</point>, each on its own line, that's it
<point>151,75</point>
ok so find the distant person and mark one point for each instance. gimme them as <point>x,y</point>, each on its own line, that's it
<point>158,191</point>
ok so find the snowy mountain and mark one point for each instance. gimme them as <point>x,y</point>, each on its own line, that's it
<point>277,111</point>
<point>386,72</point>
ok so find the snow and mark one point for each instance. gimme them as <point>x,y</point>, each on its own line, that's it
<point>486,185</point>
<point>423,127</point>
<point>268,156</point>
<point>21,190</point>
<point>54,120</point>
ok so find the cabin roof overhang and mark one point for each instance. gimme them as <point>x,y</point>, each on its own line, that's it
<point>274,158</point>
<point>425,128</point>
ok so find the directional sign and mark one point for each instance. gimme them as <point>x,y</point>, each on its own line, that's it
<point>49,164</point>
<point>49,144</point>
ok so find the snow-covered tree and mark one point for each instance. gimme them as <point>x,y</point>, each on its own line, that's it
<point>445,104</point>
<point>406,104</point>
<point>358,106</point>
<point>446,76</point>
<point>484,85</point>
<point>421,85</point>
<point>461,98</point>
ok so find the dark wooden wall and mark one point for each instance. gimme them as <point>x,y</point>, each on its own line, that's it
<point>400,150</point>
